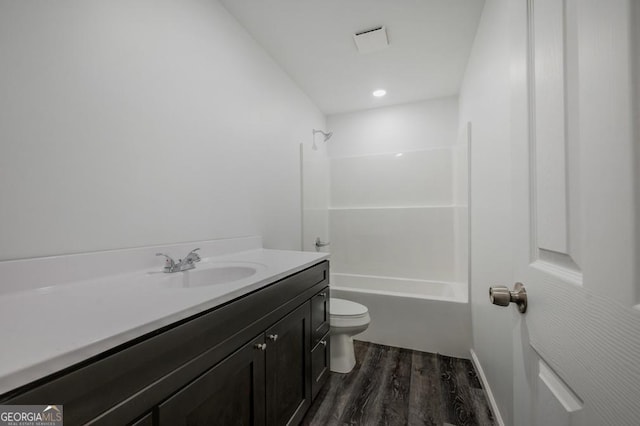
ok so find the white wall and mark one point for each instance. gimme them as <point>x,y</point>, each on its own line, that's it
<point>400,128</point>
<point>485,102</point>
<point>392,207</point>
<point>135,123</point>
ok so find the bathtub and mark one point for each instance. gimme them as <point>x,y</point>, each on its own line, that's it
<point>429,316</point>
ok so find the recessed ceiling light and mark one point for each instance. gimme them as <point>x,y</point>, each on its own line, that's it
<point>399,154</point>
<point>379,93</point>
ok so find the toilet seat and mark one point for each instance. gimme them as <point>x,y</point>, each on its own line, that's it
<point>347,314</point>
<point>346,309</point>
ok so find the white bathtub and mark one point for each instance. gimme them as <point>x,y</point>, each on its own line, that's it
<point>429,316</point>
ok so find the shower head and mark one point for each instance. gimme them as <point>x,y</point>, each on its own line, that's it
<point>327,135</point>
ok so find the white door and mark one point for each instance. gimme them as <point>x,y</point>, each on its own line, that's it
<point>576,187</point>
<point>315,194</point>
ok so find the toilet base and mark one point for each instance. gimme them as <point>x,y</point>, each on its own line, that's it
<point>343,357</point>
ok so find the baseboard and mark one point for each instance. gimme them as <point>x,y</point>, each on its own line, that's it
<point>487,388</point>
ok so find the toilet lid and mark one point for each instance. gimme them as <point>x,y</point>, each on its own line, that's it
<point>346,308</point>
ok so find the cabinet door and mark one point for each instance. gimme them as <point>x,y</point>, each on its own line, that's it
<point>319,315</point>
<point>231,393</point>
<point>289,368</point>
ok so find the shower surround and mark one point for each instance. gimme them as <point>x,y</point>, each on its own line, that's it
<point>398,221</point>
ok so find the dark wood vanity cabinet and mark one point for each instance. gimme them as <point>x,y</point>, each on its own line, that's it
<point>253,361</point>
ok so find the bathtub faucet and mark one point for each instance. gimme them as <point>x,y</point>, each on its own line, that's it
<point>320,244</point>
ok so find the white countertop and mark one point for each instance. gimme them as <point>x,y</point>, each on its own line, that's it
<point>46,329</point>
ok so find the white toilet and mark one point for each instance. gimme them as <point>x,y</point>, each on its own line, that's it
<point>347,319</point>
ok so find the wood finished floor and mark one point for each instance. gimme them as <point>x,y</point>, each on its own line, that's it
<point>394,386</point>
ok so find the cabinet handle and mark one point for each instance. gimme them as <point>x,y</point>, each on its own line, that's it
<point>323,342</point>
<point>261,346</point>
<point>273,337</point>
<point>323,294</point>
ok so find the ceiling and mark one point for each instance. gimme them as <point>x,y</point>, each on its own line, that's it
<point>429,43</point>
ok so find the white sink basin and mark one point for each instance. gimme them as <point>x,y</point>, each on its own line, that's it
<point>220,275</point>
<point>211,275</point>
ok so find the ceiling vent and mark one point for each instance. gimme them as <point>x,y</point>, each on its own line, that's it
<point>371,40</point>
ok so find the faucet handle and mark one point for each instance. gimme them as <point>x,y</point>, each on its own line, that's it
<point>193,256</point>
<point>170,264</point>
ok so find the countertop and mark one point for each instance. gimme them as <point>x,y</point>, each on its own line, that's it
<point>47,329</point>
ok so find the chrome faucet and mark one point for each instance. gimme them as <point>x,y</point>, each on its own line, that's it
<point>189,262</point>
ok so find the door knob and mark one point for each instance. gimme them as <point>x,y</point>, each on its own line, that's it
<point>501,296</point>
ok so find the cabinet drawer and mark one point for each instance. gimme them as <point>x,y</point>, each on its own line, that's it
<point>320,364</point>
<point>319,315</point>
